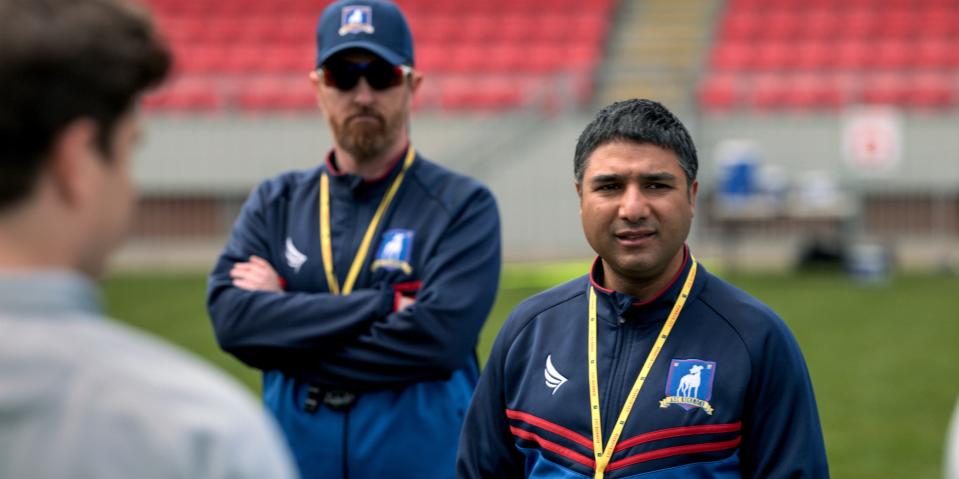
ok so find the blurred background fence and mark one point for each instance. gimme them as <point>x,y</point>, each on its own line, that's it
<point>821,125</point>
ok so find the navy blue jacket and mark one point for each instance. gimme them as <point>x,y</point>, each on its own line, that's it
<point>728,397</point>
<point>413,370</point>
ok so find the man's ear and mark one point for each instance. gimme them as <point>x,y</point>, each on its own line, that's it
<point>72,161</point>
<point>416,80</point>
<point>693,190</point>
<point>579,192</point>
<point>315,81</point>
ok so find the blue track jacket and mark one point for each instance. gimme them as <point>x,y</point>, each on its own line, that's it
<point>413,371</point>
<point>728,397</point>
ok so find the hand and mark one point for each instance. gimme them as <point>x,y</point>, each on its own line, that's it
<point>404,302</point>
<point>256,275</point>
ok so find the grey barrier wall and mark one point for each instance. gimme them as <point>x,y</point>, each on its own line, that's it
<point>526,159</point>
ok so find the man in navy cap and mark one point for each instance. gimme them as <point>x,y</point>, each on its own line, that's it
<point>359,287</point>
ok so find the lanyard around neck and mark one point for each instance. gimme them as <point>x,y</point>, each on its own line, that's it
<point>603,456</point>
<point>325,237</point>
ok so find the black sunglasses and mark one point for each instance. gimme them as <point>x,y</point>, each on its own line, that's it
<point>380,75</point>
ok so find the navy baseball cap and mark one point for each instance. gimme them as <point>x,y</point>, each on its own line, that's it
<point>375,25</point>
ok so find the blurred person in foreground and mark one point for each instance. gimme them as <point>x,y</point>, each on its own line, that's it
<point>951,462</point>
<point>82,396</point>
<point>360,286</point>
<point>649,365</point>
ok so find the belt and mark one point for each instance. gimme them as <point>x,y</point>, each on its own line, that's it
<point>335,399</point>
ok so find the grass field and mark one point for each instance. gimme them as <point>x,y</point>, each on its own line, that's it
<point>884,359</point>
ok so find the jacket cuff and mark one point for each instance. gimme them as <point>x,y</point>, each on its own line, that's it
<point>386,301</point>
<point>407,289</point>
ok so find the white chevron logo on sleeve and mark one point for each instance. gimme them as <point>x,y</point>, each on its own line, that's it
<point>553,378</point>
<point>294,257</point>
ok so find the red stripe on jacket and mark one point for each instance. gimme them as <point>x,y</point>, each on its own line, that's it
<point>673,451</point>
<point>551,427</point>
<point>678,432</point>
<point>552,446</point>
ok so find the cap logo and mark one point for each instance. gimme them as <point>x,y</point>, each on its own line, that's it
<point>356,19</point>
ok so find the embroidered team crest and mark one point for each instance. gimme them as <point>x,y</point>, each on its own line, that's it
<point>690,384</point>
<point>294,258</point>
<point>395,251</point>
<point>356,19</point>
<point>553,378</point>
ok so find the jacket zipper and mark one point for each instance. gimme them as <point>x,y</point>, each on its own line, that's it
<point>614,385</point>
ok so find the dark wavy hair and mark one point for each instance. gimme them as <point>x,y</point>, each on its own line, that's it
<point>63,60</point>
<point>639,121</point>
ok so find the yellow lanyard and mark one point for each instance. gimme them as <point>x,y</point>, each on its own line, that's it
<point>325,241</point>
<point>603,456</point>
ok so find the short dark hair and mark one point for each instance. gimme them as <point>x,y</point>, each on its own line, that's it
<point>639,121</point>
<point>62,60</point>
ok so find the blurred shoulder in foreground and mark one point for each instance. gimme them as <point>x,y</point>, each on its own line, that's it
<point>81,396</point>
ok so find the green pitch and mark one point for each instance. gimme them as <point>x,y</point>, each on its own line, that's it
<point>884,360</point>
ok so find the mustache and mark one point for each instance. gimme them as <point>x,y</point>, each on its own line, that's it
<point>367,111</point>
<point>632,225</point>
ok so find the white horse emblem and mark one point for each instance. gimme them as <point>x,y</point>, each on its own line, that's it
<point>393,248</point>
<point>689,384</point>
<point>355,17</point>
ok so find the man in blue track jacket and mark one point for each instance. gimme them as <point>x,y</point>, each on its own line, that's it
<point>648,366</point>
<point>359,287</point>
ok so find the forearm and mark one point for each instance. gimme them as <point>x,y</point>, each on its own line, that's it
<point>270,330</point>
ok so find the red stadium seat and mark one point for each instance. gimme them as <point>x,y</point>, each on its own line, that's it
<point>245,58</point>
<point>893,55</point>
<point>275,94</point>
<point>719,93</point>
<point>740,26</point>
<point>430,57</point>
<point>820,24</point>
<point>814,92</point>
<point>898,23</point>
<point>857,24</point>
<point>854,55</point>
<point>588,29</point>
<point>480,29</point>
<point>823,54</point>
<point>732,56</point>
<point>515,29</point>
<point>578,57</point>
<point>542,58</point>
<point>780,26</point>
<point>186,96</point>
<point>813,55</point>
<point>773,55</point>
<point>467,57</point>
<point>199,59</point>
<point>487,95</point>
<point>940,22</point>
<point>935,54</point>
<point>231,44</point>
<point>932,91</point>
<point>505,58</point>
<point>767,92</point>
<point>885,89</point>
<point>553,27</point>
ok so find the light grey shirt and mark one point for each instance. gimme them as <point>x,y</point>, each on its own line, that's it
<point>951,461</point>
<point>85,397</point>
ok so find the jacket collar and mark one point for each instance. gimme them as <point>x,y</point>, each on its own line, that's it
<point>642,309</point>
<point>356,183</point>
